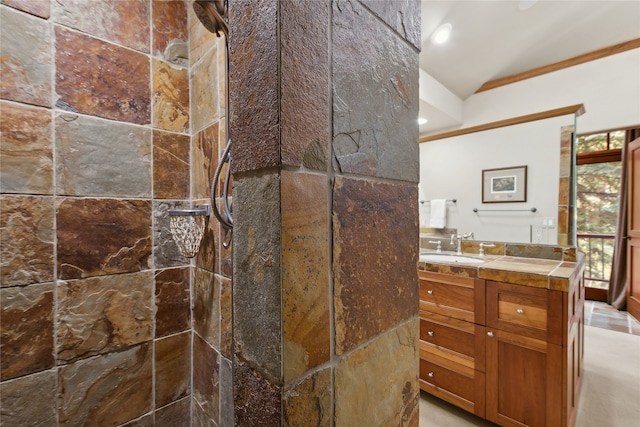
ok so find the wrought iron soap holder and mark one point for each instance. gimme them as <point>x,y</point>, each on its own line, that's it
<point>187,228</point>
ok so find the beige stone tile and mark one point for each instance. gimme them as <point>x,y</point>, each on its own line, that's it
<point>26,234</point>
<point>26,58</point>
<point>305,277</point>
<point>122,22</point>
<point>26,149</point>
<point>170,101</point>
<point>377,385</point>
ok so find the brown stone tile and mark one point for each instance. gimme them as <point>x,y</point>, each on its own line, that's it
<point>102,236</point>
<point>563,220</point>
<point>256,399</point>
<point>518,278</point>
<point>107,390</point>
<point>29,401</point>
<point>547,252</point>
<point>305,83</point>
<point>165,250</point>
<point>173,310</point>
<point>305,272</point>
<point>39,8</point>
<point>25,56</point>
<point>253,70</point>
<point>206,306</point>
<point>402,16</point>
<point>206,258</point>
<point>103,80</point>
<point>387,368</point>
<point>563,192</point>
<point>206,387</point>
<point>173,368</point>
<point>103,314</point>
<point>122,22</point>
<point>144,421</point>
<point>26,234</point>
<point>170,165</point>
<point>257,272</point>
<point>178,414</point>
<point>375,253</point>
<point>170,27</point>
<point>226,317</point>
<point>26,330</point>
<point>204,160</point>
<point>101,158</point>
<point>205,98</point>
<point>309,401</point>
<point>374,107</point>
<point>170,97</point>
<point>26,150</point>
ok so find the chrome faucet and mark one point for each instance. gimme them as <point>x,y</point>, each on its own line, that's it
<point>458,238</point>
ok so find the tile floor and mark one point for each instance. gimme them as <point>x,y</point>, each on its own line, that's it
<point>602,315</point>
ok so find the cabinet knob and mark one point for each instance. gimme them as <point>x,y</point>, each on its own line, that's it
<point>430,333</point>
<point>430,374</point>
<point>490,333</point>
<point>430,292</point>
<point>520,311</point>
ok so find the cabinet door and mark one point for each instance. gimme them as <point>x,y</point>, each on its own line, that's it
<point>533,312</point>
<point>523,380</point>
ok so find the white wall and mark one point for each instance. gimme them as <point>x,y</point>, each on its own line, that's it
<point>452,168</point>
<point>609,88</point>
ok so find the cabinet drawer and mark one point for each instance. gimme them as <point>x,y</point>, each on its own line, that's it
<point>458,297</point>
<point>463,390</point>
<point>533,312</point>
<point>456,339</point>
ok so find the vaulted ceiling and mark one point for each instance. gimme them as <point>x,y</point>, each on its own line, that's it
<point>494,39</point>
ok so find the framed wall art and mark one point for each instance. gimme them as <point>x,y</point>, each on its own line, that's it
<point>504,185</point>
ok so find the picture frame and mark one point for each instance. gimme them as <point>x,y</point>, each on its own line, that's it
<point>504,185</point>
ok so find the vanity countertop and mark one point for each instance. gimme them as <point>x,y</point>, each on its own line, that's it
<point>535,272</point>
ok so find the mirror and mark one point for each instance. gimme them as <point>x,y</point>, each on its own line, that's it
<point>452,168</point>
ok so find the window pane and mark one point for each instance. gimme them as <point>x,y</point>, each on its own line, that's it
<point>616,139</point>
<point>595,142</point>
<point>597,197</point>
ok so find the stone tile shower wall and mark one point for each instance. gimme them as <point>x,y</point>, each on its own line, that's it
<point>100,137</point>
<point>325,160</point>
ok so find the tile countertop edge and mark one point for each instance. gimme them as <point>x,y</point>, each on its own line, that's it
<point>558,277</point>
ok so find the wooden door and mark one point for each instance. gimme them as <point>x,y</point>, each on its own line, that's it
<point>633,248</point>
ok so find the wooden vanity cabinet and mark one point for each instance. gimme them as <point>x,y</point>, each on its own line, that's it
<point>513,355</point>
<point>452,343</point>
<point>524,355</point>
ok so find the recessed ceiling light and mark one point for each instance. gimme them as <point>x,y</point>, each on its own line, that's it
<point>526,4</point>
<point>441,34</point>
<point>422,120</point>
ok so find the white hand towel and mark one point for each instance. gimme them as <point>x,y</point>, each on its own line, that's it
<point>438,216</point>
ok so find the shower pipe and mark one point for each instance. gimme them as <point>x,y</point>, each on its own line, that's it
<point>211,14</point>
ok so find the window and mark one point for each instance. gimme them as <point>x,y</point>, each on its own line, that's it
<point>598,159</point>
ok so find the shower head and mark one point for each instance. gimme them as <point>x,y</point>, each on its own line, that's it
<point>211,14</point>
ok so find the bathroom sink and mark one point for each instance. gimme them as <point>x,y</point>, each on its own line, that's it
<point>450,258</point>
